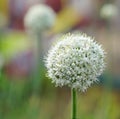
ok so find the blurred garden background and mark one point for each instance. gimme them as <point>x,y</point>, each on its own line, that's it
<point>22,96</point>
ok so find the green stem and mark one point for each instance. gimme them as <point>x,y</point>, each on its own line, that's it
<point>38,64</point>
<point>74,101</point>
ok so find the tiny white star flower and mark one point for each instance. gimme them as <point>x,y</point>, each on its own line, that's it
<point>76,61</point>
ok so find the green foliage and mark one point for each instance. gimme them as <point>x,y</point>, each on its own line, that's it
<point>16,102</point>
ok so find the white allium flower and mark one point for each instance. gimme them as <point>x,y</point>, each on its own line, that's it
<point>108,11</point>
<point>39,18</point>
<point>76,60</point>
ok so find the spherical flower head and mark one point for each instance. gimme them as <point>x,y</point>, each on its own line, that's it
<point>76,61</point>
<point>39,18</point>
<point>108,11</point>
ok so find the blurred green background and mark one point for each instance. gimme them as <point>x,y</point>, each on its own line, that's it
<point>22,96</point>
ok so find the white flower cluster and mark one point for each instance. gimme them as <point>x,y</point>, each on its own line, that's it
<point>76,60</point>
<point>39,18</point>
<point>108,11</point>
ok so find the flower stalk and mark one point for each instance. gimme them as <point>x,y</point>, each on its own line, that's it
<point>74,104</point>
<point>38,58</point>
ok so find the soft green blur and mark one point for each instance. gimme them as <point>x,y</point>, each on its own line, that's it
<point>22,97</point>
